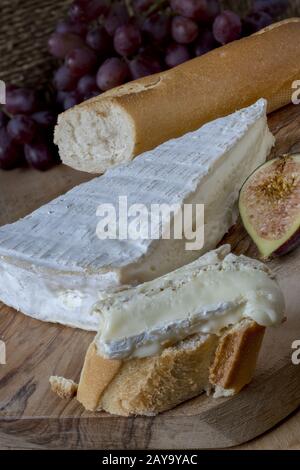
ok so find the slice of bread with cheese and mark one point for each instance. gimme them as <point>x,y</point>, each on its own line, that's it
<point>196,329</point>
<point>54,267</point>
<point>129,120</point>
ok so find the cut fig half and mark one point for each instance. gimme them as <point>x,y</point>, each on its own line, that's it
<point>269,205</point>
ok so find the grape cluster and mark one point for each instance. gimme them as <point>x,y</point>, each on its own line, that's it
<point>102,44</point>
<point>26,129</point>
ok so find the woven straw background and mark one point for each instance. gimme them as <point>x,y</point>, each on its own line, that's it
<point>25,26</point>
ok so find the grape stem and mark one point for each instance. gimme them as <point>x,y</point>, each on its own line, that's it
<point>157,6</point>
<point>3,110</point>
<point>129,7</point>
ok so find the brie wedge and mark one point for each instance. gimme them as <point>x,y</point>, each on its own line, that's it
<point>54,268</point>
<point>215,291</point>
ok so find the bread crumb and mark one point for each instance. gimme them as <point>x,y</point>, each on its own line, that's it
<point>64,388</point>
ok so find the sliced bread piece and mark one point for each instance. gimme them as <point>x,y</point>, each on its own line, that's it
<point>148,386</point>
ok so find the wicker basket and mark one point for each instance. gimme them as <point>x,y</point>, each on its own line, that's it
<point>25,26</point>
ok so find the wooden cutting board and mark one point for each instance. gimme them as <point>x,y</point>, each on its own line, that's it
<point>33,417</point>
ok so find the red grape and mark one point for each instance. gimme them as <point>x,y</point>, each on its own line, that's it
<point>87,10</point>
<point>177,54</point>
<point>77,11</point>
<point>227,27</point>
<point>96,8</point>
<point>198,10</point>
<point>99,40</point>
<point>127,39</point>
<point>39,155</point>
<point>63,79</point>
<point>157,27</point>
<point>92,94</point>
<point>144,64</point>
<point>60,44</point>
<point>255,21</point>
<point>81,61</point>
<point>113,72</point>
<point>21,129</point>
<point>44,118</point>
<point>11,155</point>
<point>212,10</point>
<point>66,26</point>
<point>273,7</point>
<point>60,97</point>
<point>184,30</point>
<point>71,99</point>
<point>141,6</point>
<point>117,16</point>
<point>205,42</point>
<point>21,101</point>
<point>87,85</point>
<point>3,119</point>
<point>10,88</point>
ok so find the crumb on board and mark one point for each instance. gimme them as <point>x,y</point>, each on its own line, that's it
<point>64,388</point>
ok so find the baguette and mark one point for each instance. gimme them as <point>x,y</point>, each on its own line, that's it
<point>151,385</point>
<point>124,122</point>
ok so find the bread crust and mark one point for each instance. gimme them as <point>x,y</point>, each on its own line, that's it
<point>230,78</point>
<point>97,373</point>
<point>236,356</point>
<point>151,385</point>
<point>169,104</point>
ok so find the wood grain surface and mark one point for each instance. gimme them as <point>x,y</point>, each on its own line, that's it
<point>33,417</point>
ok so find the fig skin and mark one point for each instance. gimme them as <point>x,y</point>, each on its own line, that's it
<point>268,195</point>
<point>289,245</point>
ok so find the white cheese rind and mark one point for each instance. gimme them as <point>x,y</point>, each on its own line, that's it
<point>57,244</point>
<point>64,297</point>
<point>218,290</point>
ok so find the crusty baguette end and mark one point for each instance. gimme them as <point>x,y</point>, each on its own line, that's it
<point>118,125</point>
